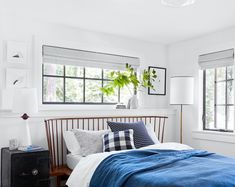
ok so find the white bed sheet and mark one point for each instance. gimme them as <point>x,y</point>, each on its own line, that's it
<point>72,160</point>
<point>82,173</point>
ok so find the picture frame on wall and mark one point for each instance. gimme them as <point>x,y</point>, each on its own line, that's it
<point>17,52</point>
<point>160,82</point>
<point>16,78</point>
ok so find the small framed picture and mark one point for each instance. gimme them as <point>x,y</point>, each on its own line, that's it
<point>17,52</point>
<point>16,78</point>
<point>160,82</point>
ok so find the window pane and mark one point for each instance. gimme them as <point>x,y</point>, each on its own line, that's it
<point>125,94</point>
<point>93,73</point>
<point>74,90</point>
<point>112,98</point>
<point>230,72</point>
<point>230,92</point>
<point>220,117</point>
<point>221,93</point>
<point>74,71</point>
<point>230,117</point>
<point>221,73</point>
<point>53,69</point>
<point>210,78</point>
<point>52,89</point>
<point>92,91</point>
<point>107,72</point>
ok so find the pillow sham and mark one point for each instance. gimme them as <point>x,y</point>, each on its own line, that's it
<point>90,141</point>
<point>151,133</point>
<point>119,140</point>
<point>141,137</point>
<point>71,142</point>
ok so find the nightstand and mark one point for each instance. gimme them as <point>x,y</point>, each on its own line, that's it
<point>24,169</point>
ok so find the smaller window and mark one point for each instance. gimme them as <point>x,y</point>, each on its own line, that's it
<point>218,99</point>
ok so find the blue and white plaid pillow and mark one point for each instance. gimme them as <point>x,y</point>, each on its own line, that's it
<point>119,140</point>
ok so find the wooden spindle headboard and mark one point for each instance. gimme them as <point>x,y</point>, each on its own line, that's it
<point>56,127</point>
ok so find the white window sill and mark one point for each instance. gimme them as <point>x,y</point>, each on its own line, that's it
<point>95,112</point>
<point>226,137</point>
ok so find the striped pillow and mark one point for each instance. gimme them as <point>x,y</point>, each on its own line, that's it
<point>141,136</point>
<point>119,140</point>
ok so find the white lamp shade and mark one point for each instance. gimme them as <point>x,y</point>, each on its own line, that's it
<point>25,101</point>
<point>181,90</point>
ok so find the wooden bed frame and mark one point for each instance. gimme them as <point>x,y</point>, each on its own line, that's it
<point>56,127</point>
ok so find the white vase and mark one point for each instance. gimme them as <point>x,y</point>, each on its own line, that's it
<point>133,102</point>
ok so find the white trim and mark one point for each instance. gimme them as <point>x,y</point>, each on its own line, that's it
<point>209,49</point>
<point>93,112</point>
<point>38,60</point>
<point>214,136</point>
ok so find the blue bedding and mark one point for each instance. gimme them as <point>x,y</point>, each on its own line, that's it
<point>165,168</point>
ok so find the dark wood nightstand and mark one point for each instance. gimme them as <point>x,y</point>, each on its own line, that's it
<point>24,169</point>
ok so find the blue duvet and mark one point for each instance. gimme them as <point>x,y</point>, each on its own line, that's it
<point>165,168</point>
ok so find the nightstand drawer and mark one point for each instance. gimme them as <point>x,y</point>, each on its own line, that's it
<point>30,166</point>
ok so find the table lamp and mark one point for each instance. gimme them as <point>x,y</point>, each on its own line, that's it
<point>181,93</point>
<point>25,103</point>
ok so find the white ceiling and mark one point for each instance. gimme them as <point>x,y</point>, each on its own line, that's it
<point>142,19</point>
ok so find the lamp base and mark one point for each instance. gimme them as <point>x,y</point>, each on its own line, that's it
<point>25,116</point>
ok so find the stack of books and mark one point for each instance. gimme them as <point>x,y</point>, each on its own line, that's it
<point>30,148</point>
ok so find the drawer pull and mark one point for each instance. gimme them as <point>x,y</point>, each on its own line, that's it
<point>35,172</point>
<point>24,174</point>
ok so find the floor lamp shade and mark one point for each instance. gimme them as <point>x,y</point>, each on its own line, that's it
<point>181,90</point>
<point>181,93</point>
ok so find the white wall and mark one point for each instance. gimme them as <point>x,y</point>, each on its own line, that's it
<point>183,60</point>
<point>149,53</point>
<point>35,32</point>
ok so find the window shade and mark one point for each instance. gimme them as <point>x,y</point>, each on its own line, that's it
<point>217,59</point>
<point>65,56</point>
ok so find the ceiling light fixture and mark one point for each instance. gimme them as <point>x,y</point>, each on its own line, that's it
<point>177,3</point>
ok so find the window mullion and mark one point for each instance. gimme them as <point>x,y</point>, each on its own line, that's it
<point>204,100</point>
<point>215,100</point>
<point>84,85</point>
<point>64,86</point>
<point>226,101</point>
<point>102,96</point>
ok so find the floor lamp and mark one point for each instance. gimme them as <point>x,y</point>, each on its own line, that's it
<point>25,103</point>
<point>181,93</point>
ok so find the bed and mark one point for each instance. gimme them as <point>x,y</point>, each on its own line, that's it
<point>62,162</point>
<point>160,164</point>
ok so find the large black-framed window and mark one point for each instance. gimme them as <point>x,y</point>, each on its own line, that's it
<point>218,99</point>
<point>67,84</point>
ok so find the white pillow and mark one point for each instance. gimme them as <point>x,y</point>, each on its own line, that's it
<point>151,133</point>
<point>90,141</point>
<point>71,143</point>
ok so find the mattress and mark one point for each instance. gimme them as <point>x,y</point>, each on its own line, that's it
<point>72,160</point>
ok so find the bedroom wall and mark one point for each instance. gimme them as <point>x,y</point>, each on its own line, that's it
<point>183,60</point>
<point>22,30</point>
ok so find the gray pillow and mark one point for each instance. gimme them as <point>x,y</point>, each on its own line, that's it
<point>90,141</point>
<point>141,137</point>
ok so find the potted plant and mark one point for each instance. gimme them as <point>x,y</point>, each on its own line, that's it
<point>129,78</point>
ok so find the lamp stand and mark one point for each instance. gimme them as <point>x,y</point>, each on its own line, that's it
<point>181,123</point>
<point>28,136</point>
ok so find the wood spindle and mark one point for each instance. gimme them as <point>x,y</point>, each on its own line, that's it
<point>53,142</point>
<point>62,142</point>
<point>57,144</point>
<point>159,128</point>
<point>163,128</point>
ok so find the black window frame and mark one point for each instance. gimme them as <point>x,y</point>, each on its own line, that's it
<point>215,101</point>
<point>84,78</point>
